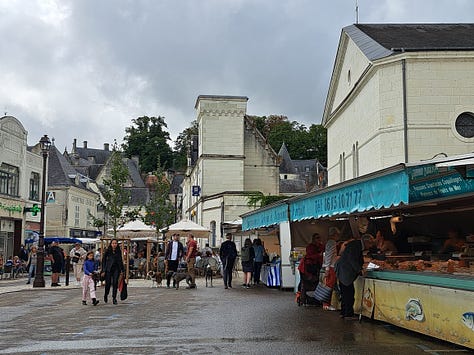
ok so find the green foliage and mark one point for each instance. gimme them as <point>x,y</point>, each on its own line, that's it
<point>182,145</point>
<point>258,199</point>
<point>148,139</point>
<point>114,192</point>
<point>301,142</point>
<point>160,211</point>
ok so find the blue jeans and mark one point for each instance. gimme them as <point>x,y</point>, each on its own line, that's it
<point>257,267</point>
<point>31,272</point>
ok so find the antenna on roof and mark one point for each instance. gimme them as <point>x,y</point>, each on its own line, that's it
<point>357,12</point>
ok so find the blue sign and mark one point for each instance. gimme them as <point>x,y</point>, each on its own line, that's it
<point>380,192</point>
<point>196,190</point>
<point>427,183</point>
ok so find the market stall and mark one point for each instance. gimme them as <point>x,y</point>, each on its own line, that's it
<point>422,286</point>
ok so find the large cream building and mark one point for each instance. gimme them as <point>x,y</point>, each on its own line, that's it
<point>399,94</point>
<point>230,159</point>
<point>20,181</point>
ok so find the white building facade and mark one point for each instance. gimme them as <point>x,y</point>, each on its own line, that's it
<point>399,94</point>
<point>232,159</point>
<point>20,185</point>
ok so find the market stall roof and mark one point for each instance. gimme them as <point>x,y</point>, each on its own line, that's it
<point>434,181</point>
<point>382,189</point>
<point>185,226</point>
<point>136,230</point>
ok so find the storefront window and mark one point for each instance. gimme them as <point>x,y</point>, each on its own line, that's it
<point>9,180</point>
<point>34,186</point>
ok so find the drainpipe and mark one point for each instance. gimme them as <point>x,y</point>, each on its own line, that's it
<point>405,115</point>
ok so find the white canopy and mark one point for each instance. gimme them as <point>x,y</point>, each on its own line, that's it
<point>186,226</point>
<point>136,230</point>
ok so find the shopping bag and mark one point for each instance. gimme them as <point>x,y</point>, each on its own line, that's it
<point>120,282</point>
<point>124,291</point>
<point>323,293</point>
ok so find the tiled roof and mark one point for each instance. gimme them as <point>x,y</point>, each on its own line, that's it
<point>61,173</point>
<point>175,187</point>
<point>292,186</point>
<point>100,155</point>
<point>381,40</point>
<point>286,165</point>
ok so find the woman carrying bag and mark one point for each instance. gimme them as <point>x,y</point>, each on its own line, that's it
<point>112,268</point>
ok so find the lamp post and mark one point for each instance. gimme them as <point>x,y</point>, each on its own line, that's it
<point>45,145</point>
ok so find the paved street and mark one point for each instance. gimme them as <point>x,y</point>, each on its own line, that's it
<point>204,321</point>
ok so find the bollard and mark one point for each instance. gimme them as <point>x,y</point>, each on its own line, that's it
<point>68,259</point>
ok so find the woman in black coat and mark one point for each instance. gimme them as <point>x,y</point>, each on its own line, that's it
<point>112,267</point>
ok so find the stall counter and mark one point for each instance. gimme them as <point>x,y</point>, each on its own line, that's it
<point>435,304</point>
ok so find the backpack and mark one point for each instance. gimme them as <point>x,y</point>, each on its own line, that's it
<point>245,254</point>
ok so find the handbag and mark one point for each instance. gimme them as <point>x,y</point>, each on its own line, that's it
<point>323,293</point>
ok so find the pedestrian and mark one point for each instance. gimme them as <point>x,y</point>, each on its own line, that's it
<point>88,283</point>
<point>57,256</point>
<point>330,257</point>
<point>247,256</point>
<point>191,252</point>
<point>228,254</point>
<point>112,267</point>
<point>347,268</point>
<point>258,261</point>
<point>31,263</point>
<point>173,254</point>
<point>206,251</point>
<point>23,253</point>
<point>78,256</point>
<point>97,258</point>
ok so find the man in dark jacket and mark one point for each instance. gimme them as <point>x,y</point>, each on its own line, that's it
<point>228,254</point>
<point>173,254</point>
<point>347,268</point>
<point>57,263</point>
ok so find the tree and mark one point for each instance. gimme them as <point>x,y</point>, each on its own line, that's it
<point>258,199</point>
<point>183,144</point>
<point>148,139</point>
<point>301,142</point>
<point>114,194</point>
<point>159,211</point>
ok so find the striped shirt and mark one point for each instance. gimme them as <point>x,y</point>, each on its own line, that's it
<point>330,253</point>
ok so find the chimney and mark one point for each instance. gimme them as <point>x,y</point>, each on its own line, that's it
<point>74,145</point>
<point>85,144</point>
<point>106,146</point>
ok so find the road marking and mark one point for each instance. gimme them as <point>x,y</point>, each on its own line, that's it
<point>71,333</point>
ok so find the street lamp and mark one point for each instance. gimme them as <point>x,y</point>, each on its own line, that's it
<point>45,145</point>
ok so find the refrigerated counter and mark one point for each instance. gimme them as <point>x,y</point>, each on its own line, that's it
<point>436,304</point>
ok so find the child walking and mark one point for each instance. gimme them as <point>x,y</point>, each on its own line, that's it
<point>88,280</point>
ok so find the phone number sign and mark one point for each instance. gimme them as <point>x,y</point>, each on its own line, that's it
<point>383,191</point>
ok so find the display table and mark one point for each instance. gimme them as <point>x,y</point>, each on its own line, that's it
<point>270,275</point>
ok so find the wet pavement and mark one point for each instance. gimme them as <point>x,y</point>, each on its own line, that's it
<point>154,320</point>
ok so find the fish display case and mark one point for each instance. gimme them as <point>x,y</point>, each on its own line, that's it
<point>437,304</point>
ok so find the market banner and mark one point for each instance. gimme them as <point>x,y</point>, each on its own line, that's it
<point>428,182</point>
<point>380,192</point>
<point>265,217</point>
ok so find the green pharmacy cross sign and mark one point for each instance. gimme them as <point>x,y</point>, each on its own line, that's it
<point>34,210</point>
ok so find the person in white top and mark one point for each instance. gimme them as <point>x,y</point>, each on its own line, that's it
<point>78,255</point>
<point>330,257</point>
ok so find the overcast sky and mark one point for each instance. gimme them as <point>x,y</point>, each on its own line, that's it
<point>84,68</point>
